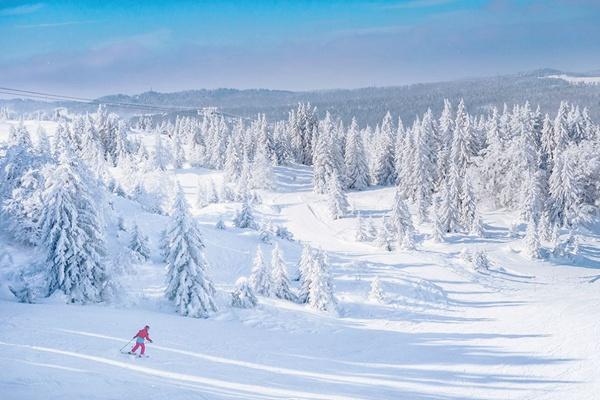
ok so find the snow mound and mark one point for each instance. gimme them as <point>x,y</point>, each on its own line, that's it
<point>415,291</point>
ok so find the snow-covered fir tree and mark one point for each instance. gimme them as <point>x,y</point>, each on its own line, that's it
<point>220,225</point>
<point>321,290</point>
<point>23,207</point>
<point>188,284</point>
<point>423,169</point>
<point>468,206</point>
<point>245,216</point>
<point>324,162</point>
<point>281,282</point>
<point>262,171</point>
<point>211,192</point>
<point>305,265</point>
<point>480,261</point>
<point>532,239</point>
<point>260,277</point>
<point>384,171</point>
<point>337,202</point>
<point>357,168</point>
<point>233,163</point>
<point>401,222</point>
<point>138,243</point>
<point>201,196</point>
<point>439,229</point>
<point>160,156</point>
<point>385,237</point>
<point>71,233</point>
<point>362,232</point>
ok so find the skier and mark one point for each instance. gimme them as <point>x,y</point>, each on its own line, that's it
<point>139,340</point>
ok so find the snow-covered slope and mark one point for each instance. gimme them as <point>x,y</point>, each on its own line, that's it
<point>520,330</point>
<point>577,80</point>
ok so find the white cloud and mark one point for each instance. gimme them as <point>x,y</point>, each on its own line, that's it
<point>418,4</point>
<point>57,24</point>
<point>21,10</point>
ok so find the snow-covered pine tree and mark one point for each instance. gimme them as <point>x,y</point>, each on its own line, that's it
<point>220,224</point>
<point>468,206</point>
<point>121,146</point>
<point>262,171</point>
<point>321,291</point>
<point>384,172</point>
<point>260,277</point>
<point>477,228</point>
<point>188,284</point>
<point>463,147</point>
<point>305,265</point>
<point>532,239</point>
<point>565,188</point>
<point>439,230</point>
<point>337,202</point>
<point>324,161</point>
<point>160,156</point>
<point>446,128</point>
<point>201,197</point>
<point>384,237</point>
<point>43,142</point>
<point>22,209</point>
<point>560,130</point>
<point>357,168</point>
<point>401,222</point>
<point>423,168</point>
<point>243,296</point>
<point>399,150</point>
<point>244,183</point>
<point>535,198</point>
<point>71,233</point>
<point>138,243</point>
<point>480,261</point>
<point>233,163</point>
<point>211,192</point>
<point>245,217</point>
<point>281,282</point>
<point>178,152</point>
<point>362,233</point>
<point>376,292</point>
<point>448,213</point>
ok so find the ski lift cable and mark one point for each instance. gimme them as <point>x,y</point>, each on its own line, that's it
<point>57,98</point>
<point>139,106</point>
<point>51,96</point>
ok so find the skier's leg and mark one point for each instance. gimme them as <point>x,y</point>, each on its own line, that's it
<point>135,347</point>
<point>143,346</point>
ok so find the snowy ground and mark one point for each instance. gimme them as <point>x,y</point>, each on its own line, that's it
<point>523,330</point>
<point>577,80</point>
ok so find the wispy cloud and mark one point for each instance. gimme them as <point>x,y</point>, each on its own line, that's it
<point>417,4</point>
<point>56,24</point>
<point>21,10</point>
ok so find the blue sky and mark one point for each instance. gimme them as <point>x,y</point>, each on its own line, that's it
<point>93,48</point>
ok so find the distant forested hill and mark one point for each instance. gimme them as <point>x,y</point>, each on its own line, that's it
<point>369,105</point>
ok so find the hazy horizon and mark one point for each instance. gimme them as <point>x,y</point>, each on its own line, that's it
<point>89,49</point>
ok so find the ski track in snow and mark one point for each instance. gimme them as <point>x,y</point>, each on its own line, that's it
<point>521,330</point>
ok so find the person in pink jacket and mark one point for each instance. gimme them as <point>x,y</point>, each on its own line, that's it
<point>140,338</point>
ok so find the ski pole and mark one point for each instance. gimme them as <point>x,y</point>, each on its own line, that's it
<point>125,345</point>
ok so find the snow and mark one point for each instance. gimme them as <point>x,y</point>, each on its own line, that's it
<point>522,329</point>
<point>577,80</point>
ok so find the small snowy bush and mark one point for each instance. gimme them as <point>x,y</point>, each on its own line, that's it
<point>243,296</point>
